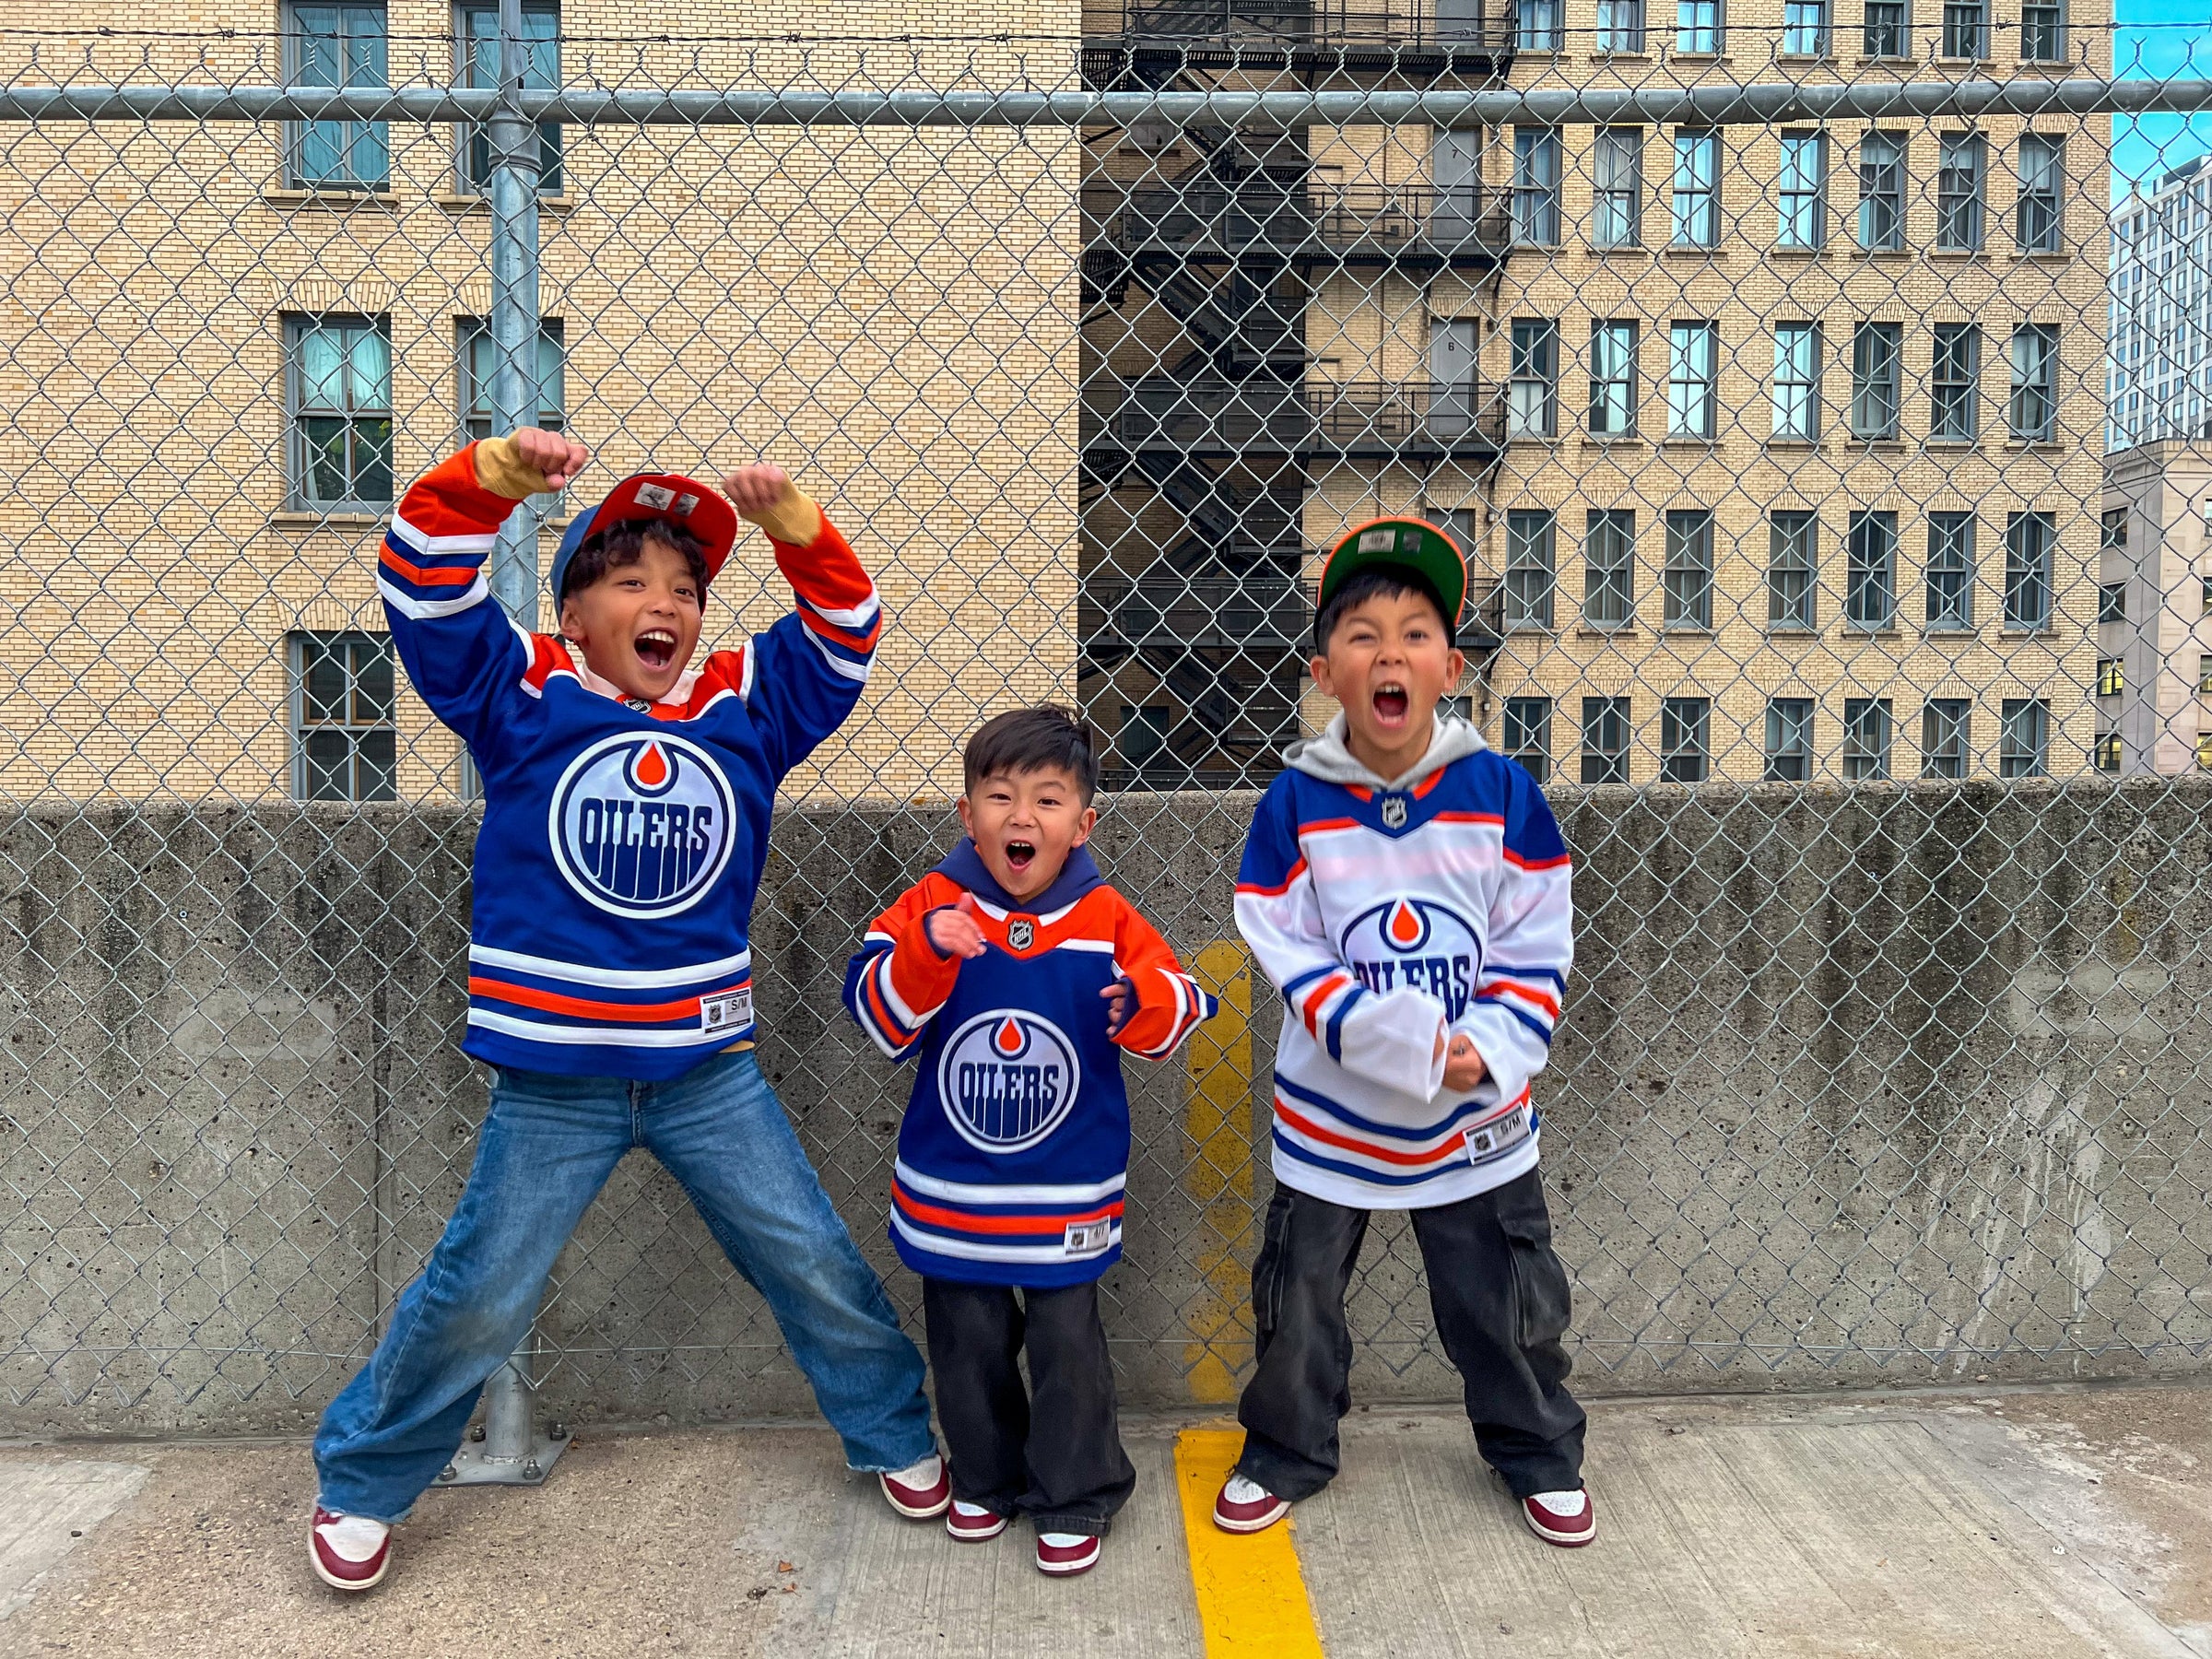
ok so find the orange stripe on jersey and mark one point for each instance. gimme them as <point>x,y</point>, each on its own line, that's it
<point>1321,992</point>
<point>553,1002</point>
<point>965,1221</point>
<point>1306,1126</point>
<point>439,576</point>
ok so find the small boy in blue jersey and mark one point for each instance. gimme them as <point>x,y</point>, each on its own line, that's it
<point>1017,976</point>
<point>627,796</point>
<point>1407,889</point>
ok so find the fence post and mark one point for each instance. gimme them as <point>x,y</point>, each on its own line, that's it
<point>512,1452</point>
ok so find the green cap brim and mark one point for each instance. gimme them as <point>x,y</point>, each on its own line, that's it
<point>1412,541</point>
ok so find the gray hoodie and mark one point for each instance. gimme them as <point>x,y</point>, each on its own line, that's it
<point>1329,758</point>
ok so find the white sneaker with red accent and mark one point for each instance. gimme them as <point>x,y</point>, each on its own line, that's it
<point>1566,1519</point>
<point>971,1523</point>
<point>921,1491</point>
<point>1066,1554</point>
<point>1246,1506</point>
<point>349,1552</point>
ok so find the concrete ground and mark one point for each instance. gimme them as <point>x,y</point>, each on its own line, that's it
<point>2064,1522</point>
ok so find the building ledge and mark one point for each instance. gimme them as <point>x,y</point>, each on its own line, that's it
<point>453,202</point>
<point>334,201</point>
<point>297,519</point>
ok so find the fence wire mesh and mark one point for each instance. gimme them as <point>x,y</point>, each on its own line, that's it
<point>1766,367</point>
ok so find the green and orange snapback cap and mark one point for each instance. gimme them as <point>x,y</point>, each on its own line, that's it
<point>1414,543</point>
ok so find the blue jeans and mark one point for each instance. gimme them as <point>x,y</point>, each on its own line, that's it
<point>547,1146</point>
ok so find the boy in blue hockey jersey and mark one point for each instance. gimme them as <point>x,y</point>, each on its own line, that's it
<point>1407,891</point>
<point>627,794</point>
<point>1017,976</point>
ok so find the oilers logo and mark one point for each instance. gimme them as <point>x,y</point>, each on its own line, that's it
<point>641,825</point>
<point>1008,1079</point>
<point>1416,942</point>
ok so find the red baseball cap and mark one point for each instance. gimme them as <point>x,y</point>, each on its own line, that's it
<point>668,497</point>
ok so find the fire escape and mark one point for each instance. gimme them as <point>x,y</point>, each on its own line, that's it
<point>1204,415</point>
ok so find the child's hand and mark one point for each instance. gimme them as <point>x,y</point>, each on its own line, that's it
<point>555,457</point>
<point>754,490</point>
<point>1120,1002</point>
<point>1463,1066</point>
<point>954,932</point>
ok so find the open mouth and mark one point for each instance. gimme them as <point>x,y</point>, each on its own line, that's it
<point>1020,855</point>
<point>1391,703</point>
<point>656,648</point>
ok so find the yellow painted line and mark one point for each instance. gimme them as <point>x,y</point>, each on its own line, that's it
<point>1217,1176</point>
<point>1252,1598</point>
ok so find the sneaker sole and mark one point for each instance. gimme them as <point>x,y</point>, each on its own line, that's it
<point>1564,1540</point>
<point>1069,1569</point>
<point>966,1536</point>
<point>1258,1524</point>
<point>314,1559</point>
<point>911,1513</point>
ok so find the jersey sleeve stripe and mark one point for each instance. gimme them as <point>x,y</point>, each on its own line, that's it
<point>1261,890</point>
<point>1519,863</point>
<point>1537,998</point>
<point>430,610</point>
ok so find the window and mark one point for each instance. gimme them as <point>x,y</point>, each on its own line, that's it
<point>1870,571</point>
<point>1458,522</point>
<point>2036,213</point>
<point>1528,570</point>
<point>339,378</point>
<point>339,46</point>
<point>1620,25</point>
<point>1536,186</point>
<point>1958,193</point>
<point>1528,735</point>
<point>2111,602</point>
<point>1532,408</point>
<point>1453,706</point>
<point>1793,557</point>
<point>2206,597</point>
<point>1865,738</point>
<point>1886,23</point>
<point>1697,209</point>
<point>1804,28</point>
<point>2204,751</point>
<point>2035,405</point>
<point>2027,542</point>
<point>1965,29</point>
<point>2204,672</point>
<point>1688,574</point>
<point>1789,739</point>
<point>2043,32</point>
<point>1875,348</point>
<point>1957,413</point>
<point>476,31</point>
<point>478,410</point>
<point>1539,25</point>
<point>1613,379</point>
<point>2112,677</point>
<point>1882,191</point>
<point>1799,207</point>
<point>2112,529</point>
<point>1619,205</point>
<point>2105,754</point>
<point>1697,26</point>
<point>2024,738</point>
<point>1609,568</point>
<point>1797,381</point>
<point>1144,738</point>
<point>1692,349</point>
<point>1951,569</point>
<point>345,728</point>
<point>1685,751</point>
<point>1605,740</point>
<point>1944,733</point>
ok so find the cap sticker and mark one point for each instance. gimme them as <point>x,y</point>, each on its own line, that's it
<point>656,496</point>
<point>684,504</point>
<point>1377,541</point>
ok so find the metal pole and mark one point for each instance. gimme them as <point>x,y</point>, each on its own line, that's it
<point>510,1450</point>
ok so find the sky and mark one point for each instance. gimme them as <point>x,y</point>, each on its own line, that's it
<point>2160,39</point>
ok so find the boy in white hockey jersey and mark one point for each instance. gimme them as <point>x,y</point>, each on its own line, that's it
<point>1407,889</point>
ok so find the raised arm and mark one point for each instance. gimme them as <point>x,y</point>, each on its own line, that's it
<point>461,648</point>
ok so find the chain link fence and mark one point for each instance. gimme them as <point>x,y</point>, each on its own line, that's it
<point>1761,365</point>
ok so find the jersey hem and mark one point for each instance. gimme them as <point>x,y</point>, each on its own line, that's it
<point>1469,1181</point>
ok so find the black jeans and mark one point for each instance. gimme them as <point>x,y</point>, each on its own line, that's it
<point>1055,1457</point>
<point>1500,1296</point>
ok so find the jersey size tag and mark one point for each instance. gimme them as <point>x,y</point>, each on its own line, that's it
<point>732,1011</point>
<point>1087,1238</point>
<point>1486,1140</point>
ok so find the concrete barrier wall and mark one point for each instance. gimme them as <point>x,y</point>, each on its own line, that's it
<point>1860,1087</point>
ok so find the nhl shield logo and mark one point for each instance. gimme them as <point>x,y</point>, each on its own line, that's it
<point>1393,812</point>
<point>1021,935</point>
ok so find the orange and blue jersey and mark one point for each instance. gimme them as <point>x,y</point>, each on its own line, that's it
<point>1014,1151</point>
<point>622,842</point>
<point>1392,920</point>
